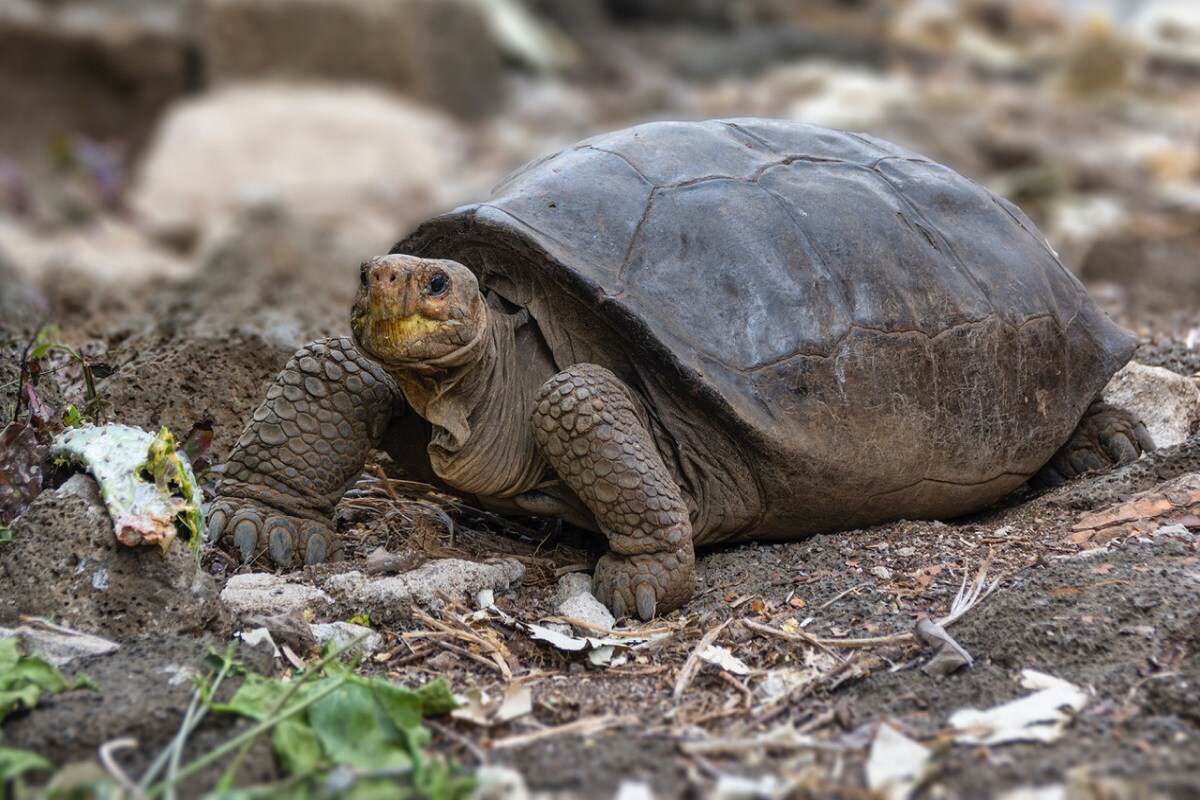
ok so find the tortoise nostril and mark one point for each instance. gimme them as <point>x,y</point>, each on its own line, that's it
<point>392,278</point>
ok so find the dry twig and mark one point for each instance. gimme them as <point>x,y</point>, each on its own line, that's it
<point>580,726</point>
<point>105,755</point>
<point>967,598</point>
<point>693,662</point>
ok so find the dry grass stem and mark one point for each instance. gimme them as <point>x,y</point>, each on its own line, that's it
<point>967,598</point>
<point>107,760</point>
<point>693,662</point>
<point>738,746</point>
<point>465,633</point>
<point>580,727</point>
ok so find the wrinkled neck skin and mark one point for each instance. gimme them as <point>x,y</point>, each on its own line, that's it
<point>479,409</point>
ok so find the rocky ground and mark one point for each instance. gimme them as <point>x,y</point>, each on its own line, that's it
<point>220,246</point>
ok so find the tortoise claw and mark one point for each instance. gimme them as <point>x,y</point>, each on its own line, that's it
<point>647,601</point>
<point>281,541</point>
<point>618,607</point>
<point>254,530</point>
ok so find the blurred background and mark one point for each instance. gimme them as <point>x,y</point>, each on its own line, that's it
<point>146,143</point>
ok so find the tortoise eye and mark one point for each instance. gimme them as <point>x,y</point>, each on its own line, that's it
<point>438,284</point>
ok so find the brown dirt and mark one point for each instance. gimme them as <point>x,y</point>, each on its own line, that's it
<point>1110,607</point>
<point>1123,624</point>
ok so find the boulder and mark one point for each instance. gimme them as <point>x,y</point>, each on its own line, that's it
<point>327,594</point>
<point>354,160</point>
<point>1167,402</point>
<point>437,51</point>
<point>65,562</point>
<point>109,67</point>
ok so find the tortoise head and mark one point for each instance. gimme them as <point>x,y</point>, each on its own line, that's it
<point>413,311</point>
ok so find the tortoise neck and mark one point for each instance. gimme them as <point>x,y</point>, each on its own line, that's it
<point>445,390</point>
<point>479,409</point>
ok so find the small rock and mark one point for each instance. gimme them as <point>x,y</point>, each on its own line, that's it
<point>574,598</point>
<point>386,599</point>
<point>634,790</point>
<point>571,584</point>
<point>1174,531</point>
<point>267,595</point>
<point>343,633</point>
<point>58,645</point>
<point>882,573</point>
<point>1168,403</point>
<point>63,551</point>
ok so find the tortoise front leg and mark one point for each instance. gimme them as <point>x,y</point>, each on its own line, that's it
<point>305,447</point>
<point>587,428</point>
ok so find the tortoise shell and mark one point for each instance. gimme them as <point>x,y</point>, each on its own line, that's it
<point>827,329</point>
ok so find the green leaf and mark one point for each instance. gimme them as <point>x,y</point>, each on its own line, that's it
<point>11,700</point>
<point>297,747</point>
<point>15,763</point>
<point>354,730</point>
<point>24,678</point>
<point>71,418</point>
<point>10,654</point>
<point>436,698</point>
<point>256,698</point>
<point>5,534</point>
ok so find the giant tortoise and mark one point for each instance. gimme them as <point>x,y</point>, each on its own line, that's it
<point>693,332</point>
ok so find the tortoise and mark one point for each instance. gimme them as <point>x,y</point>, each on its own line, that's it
<point>685,333</point>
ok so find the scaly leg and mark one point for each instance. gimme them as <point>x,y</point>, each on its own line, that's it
<point>1105,437</point>
<point>305,447</point>
<point>586,424</point>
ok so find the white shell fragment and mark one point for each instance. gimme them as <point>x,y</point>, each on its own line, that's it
<point>1038,717</point>
<point>147,485</point>
<point>723,658</point>
<point>897,764</point>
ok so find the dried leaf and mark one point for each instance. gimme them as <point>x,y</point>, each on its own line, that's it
<point>517,702</point>
<point>1038,717</point>
<point>21,458</point>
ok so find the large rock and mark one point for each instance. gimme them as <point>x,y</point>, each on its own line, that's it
<point>344,158</point>
<point>64,562</point>
<point>1169,403</point>
<point>437,51</point>
<point>103,69</point>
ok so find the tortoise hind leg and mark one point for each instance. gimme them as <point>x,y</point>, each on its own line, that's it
<point>305,447</point>
<point>586,425</point>
<point>1106,437</point>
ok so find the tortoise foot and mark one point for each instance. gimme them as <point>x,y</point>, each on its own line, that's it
<point>646,584</point>
<point>252,531</point>
<point>1106,437</point>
